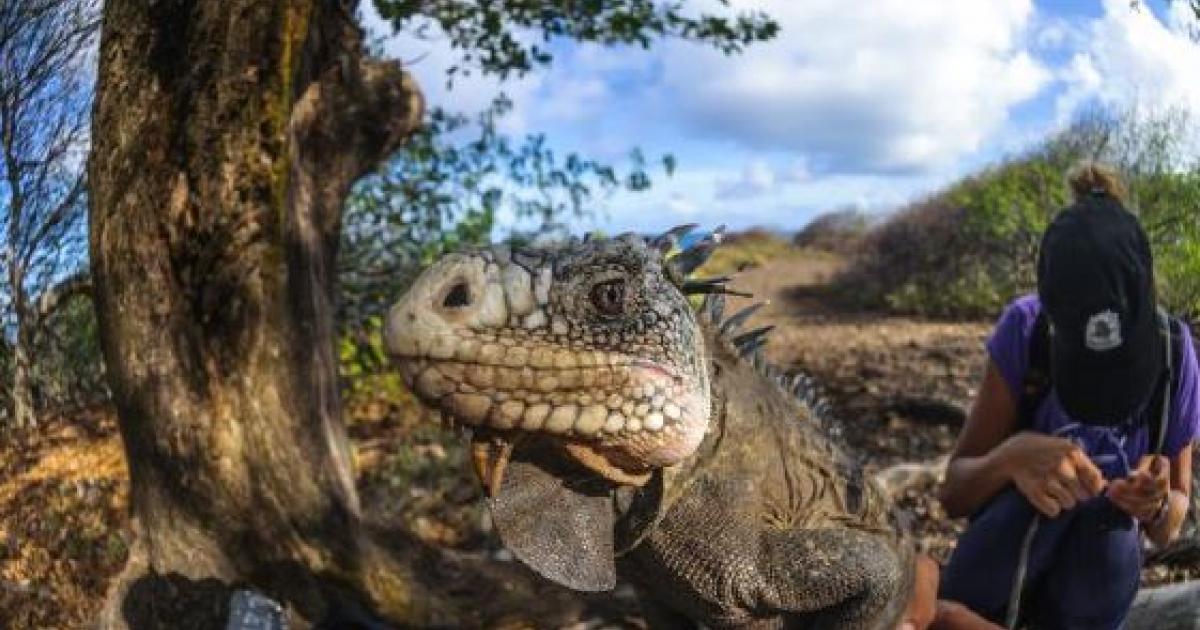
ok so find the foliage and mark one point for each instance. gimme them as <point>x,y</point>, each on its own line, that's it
<point>507,37</point>
<point>70,366</point>
<point>970,248</point>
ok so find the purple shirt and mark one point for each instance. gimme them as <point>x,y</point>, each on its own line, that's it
<point>1114,449</point>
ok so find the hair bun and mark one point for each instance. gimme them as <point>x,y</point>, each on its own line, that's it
<point>1090,177</point>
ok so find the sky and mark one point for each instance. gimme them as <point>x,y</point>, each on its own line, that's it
<point>867,104</point>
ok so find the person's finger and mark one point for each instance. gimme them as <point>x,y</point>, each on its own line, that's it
<point>1160,469</point>
<point>1087,472</point>
<point>1069,478</point>
<point>1119,492</point>
<point>1124,504</point>
<point>1131,501</point>
<point>1140,481</point>
<point>1149,484</point>
<point>1065,498</point>
<point>1132,493</point>
<point>1044,504</point>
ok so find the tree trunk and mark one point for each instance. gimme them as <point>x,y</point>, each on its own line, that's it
<point>21,393</point>
<point>226,134</point>
<point>24,415</point>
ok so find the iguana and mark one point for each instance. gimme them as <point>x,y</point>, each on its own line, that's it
<point>617,429</point>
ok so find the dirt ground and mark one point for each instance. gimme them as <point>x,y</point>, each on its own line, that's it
<point>900,387</point>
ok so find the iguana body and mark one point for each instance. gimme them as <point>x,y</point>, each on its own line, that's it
<point>653,441</point>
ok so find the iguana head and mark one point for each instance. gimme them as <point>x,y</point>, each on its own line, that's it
<point>591,345</point>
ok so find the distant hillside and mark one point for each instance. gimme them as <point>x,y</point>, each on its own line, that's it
<point>968,249</point>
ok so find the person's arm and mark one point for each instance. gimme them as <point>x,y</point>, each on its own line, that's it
<point>1178,499</point>
<point>976,471</point>
<point>1141,494</point>
<point>922,604</point>
<point>1051,472</point>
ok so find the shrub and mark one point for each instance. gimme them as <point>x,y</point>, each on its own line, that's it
<point>970,248</point>
<point>744,250</point>
<point>68,369</point>
<point>838,231</point>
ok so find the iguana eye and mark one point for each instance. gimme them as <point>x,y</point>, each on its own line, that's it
<point>609,297</point>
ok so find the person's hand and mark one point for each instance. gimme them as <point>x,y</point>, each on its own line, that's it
<point>1143,493</point>
<point>922,605</point>
<point>1053,473</point>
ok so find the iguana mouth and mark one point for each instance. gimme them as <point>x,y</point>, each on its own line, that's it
<point>644,421</point>
<point>611,397</point>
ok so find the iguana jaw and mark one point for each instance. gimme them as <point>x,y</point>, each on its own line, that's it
<point>482,341</point>
<point>623,449</point>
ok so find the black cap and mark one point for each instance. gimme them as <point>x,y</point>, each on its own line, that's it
<point>1096,284</point>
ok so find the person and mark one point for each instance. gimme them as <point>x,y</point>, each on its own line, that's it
<point>1079,439</point>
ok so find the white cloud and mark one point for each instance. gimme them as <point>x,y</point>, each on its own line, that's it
<point>680,205</point>
<point>1131,58</point>
<point>758,177</point>
<point>893,85</point>
<point>869,104</point>
<point>691,196</point>
<point>896,86</point>
<point>755,179</point>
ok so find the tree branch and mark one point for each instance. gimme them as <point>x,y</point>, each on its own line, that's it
<point>55,297</point>
<point>355,117</point>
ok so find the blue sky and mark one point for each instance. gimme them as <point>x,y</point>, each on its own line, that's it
<point>863,104</point>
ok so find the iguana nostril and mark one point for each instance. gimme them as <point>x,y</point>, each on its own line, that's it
<point>459,296</point>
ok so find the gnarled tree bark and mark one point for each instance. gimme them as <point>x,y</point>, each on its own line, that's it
<point>226,134</point>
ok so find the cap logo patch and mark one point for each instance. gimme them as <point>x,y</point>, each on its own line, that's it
<point>1103,331</point>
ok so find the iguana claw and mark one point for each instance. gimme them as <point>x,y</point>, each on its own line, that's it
<point>489,457</point>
